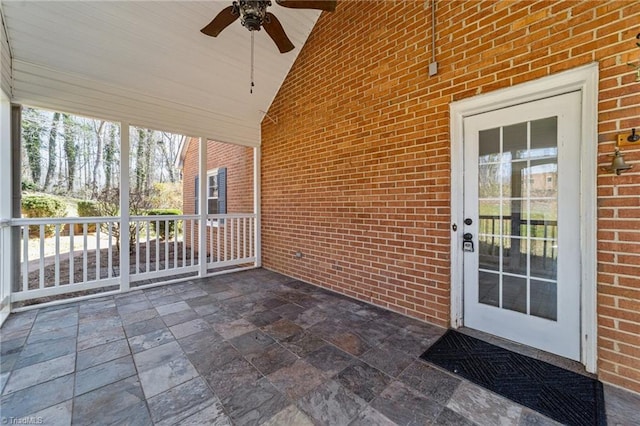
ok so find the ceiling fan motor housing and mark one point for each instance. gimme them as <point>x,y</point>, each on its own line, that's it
<point>252,13</point>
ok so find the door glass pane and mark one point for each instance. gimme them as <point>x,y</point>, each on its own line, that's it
<point>544,258</point>
<point>516,179</point>
<point>518,214</point>
<point>490,179</point>
<point>542,176</point>
<point>489,293</point>
<point>515,140</point>
<point>489,252</point>
<point>543,300</point>
<point>514,224</point>
<point>514,293</point>
<point>489,146</point>
<point>514,256</point>
<point>544,137</point>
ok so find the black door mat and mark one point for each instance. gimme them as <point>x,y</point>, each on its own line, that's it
<point>562,395</point>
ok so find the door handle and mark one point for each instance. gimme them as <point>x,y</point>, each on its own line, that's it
<point>467,242</point>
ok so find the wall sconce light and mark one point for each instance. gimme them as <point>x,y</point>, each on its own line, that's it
<point>617,163</point>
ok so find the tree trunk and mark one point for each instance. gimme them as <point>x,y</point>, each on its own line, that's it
<point>31,129</point>
<point>140,171</point>
<point>70,149</point>
<point>96,165</point>
<point>109,151</point>
<point>149,142</point>
<point>53,135</point>
<point>169,163</point>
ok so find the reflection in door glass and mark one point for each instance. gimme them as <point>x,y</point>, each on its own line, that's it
<point>543,299</point>
<point>489,293</point>
<point>518,217</point>
<point>514,293</point>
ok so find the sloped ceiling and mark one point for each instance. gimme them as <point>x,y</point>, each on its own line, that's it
<point>146,63</point>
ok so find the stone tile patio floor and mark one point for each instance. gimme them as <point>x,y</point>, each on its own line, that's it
<point>253,347</point>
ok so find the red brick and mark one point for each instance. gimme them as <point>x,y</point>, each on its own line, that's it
<point>356,165</point>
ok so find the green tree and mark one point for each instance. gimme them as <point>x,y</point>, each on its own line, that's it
<point>31,130</point>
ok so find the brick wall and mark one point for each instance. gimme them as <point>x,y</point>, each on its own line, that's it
<point>239,163</point>
<point>356,167</point>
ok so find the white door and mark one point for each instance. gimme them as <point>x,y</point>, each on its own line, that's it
<point>522,223</point>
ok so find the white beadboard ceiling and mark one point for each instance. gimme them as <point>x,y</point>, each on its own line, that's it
<point>147,63</point>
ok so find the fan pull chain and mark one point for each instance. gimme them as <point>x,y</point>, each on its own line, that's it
<point>252,84</point>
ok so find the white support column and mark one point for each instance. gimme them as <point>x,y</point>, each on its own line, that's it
<point>124,207</point>
<point>257,199</point>
<point>202,206</point>
<point>6,184</point>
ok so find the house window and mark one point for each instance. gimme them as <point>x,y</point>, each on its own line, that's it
<point>216,192</point>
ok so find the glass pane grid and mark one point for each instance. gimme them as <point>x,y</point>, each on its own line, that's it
<point>517,229</point>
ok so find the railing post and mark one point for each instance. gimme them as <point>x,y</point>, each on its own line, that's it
<point>202,206</point>
<point>257,199</point>
<point>124,207</point>
<point>16,189</point>
<point>7,185</point>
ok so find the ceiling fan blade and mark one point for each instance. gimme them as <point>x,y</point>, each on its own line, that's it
<point>221,21</point>
<point>273,27</point>
<point>328,5</point>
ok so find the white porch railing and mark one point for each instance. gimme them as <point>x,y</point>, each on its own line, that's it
<point>59,256</point>
<point>162,246</point>
<point>230,240</point>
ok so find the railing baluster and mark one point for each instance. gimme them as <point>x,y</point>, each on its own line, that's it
<point>175,243</point>
<point>157,245</point>
<point>25,258</point>
<point>85,249</point>
<point>147,246</point>
<point>210,231</point>
<point>193,242</point>
<point>237,222</point>
<point>230,251</point>
<point>41,268</point>
<point>72,252</point>
<point>218,247</point>
<point>225,236</point>
<point>251,224</point>
<point>244,240</point>
<point>98,260</point>
<point>110,250</point>
<point>57,257</point>
<point>136,224</point>
<point>166,245</point>
<point>184,244</point>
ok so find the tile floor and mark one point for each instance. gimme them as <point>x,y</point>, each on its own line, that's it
<point>253,347</point>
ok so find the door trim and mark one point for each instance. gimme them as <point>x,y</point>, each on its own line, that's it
<point>585,80</point>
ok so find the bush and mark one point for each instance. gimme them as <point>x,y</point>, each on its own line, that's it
<point>172,223</point>
<point>87,208</point>
<point>28,186</point>
<point>166,195</point>
<point>42,206</point>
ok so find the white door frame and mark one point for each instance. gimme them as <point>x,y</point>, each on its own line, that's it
<point>585,80</point>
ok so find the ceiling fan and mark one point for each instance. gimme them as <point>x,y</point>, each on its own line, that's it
<point>253,16</point>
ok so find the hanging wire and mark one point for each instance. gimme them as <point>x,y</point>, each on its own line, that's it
<point>433,30</point>
<point>252,84</point>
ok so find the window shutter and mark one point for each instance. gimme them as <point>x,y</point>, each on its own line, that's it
<point>222,190</point>
<point>197,193</point>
